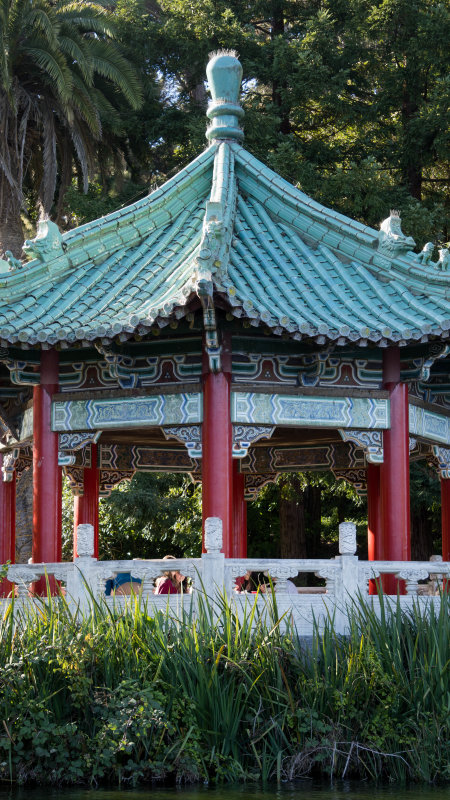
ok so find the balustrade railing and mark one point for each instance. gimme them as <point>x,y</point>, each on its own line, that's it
<point>345,579</point>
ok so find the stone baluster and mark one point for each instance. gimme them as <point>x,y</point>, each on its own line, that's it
<point>412,578</point>
<point>22,576</point>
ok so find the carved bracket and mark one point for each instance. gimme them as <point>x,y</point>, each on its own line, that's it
<point>440,460</point>
<point>369,441</point>
<point>357,477</point>
<point>436,351</point>
<point>75,441</point>
<point>189,435</point>
<point>68,443</point>
<point>246,435</point>
<point>254,484</point>
<point>109,479</point>
<point>21,373</point>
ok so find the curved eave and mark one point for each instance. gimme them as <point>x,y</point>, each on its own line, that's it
<point>300,268</point>
<point>117,275</point>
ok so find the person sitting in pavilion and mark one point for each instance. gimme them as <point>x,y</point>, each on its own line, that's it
<point>171,581</point>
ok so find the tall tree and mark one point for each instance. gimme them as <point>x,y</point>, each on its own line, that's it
<point>62,76</point>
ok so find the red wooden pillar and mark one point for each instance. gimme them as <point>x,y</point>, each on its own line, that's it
<point>374,519</point>
<point>85,506</point>
<point>395,471</point>
<point>445,518</point>
<point>217,470</point>
<point>239,542</point>
<point>7,526</point>
<point>46,473</point>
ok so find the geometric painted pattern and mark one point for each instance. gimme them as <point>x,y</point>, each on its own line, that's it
<point>126,412</point>
<point>298,411</point>
<point>429,425</point>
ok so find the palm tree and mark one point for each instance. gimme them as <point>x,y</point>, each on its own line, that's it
<point>62,79</point>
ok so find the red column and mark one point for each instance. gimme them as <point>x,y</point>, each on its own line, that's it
<point>7,526</point>
<point>217,475</point>
<point>445,518</point>
<point>239,542</point>
<point>46,473</point>
<point>85,506</point>
<point>374,521</point>
<point>395,471</point>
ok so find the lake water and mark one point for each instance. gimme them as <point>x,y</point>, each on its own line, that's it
<point>301,790</point>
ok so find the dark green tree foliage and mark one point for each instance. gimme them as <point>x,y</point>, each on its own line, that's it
<point>153,516</point>
<point>425,512</point>
<point>62,79</point>
<point>350,100</point>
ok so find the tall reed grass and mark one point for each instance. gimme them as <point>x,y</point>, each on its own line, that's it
<point>128,696</point>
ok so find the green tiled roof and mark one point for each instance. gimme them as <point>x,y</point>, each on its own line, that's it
<point>228,222</point>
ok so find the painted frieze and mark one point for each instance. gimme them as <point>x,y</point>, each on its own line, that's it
<point>126,412</point>
<point>429,425</point>
<point>146,459</point>
<point>117,370</point>
<point>317,369</point>
<point>301,411</point>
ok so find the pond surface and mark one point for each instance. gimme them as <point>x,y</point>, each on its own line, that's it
<point>301,790</point>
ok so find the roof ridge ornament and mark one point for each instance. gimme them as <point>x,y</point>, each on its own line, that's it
<point>48,242</point>
<point>224,72</point>
<point>392,240</point>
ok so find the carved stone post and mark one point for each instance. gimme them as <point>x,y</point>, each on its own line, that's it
<point>83,578</point>
<point>347,586</point>
<point>213,561</point>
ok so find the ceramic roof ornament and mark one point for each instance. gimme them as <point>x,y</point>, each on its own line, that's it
<point>224,72</point>
<point>227,226</point>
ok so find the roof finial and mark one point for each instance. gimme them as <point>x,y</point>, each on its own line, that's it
<point>224,73</point>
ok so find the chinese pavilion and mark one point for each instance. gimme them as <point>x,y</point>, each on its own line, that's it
<point>230,327</point>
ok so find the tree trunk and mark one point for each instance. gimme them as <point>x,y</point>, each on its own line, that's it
<point>11,233</point>
<point>313,516</point>
<point>421,534</point>
<point>24,516</point>
<point>292,519</point>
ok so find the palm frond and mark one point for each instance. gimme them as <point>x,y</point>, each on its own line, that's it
<point>87,17</point>
<point>77,54</point>
<point>84,104</point>
<point>109,63</point>
<point>54,67</point>
<point>38,20</point>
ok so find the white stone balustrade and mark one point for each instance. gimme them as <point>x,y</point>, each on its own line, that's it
<point>345,579</point>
